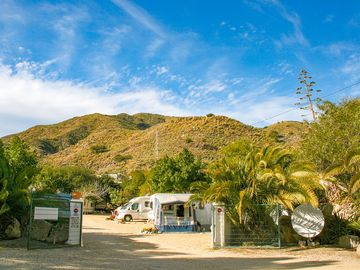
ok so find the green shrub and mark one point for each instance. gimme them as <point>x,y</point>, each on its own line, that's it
<point>121,158</point>
<point>97,149</point>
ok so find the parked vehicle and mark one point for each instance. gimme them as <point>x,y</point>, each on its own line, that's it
<point>136,209</point>
<point>172,212</point>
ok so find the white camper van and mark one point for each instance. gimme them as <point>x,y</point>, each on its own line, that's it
<point>136,209</point>
<point>173,213</point>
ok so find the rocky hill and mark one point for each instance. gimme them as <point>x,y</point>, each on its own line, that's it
<point>109,143</point>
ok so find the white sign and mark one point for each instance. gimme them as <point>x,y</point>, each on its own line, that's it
<point>75,223</point>
<point>47,213</point>
<point>307,221</point>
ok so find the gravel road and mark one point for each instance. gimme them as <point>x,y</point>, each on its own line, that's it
<point>110,245</point>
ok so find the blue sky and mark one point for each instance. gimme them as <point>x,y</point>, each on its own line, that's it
<point>60,59</point>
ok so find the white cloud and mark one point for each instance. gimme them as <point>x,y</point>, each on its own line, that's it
<point>27,99</point>
<point>257,89</point>
<point>266,111</point>
<point>339,48</point>
<point>162,70</point>
<point>351,68</point>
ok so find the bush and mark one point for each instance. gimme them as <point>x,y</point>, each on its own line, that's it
<point>121,158</point>
<point>98,149</point>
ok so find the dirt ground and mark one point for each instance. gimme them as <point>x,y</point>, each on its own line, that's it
<point>109,245</point>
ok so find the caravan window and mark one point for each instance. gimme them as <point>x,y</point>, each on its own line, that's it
<point>147,203</point>
<point>134,206</point>
<point>167,207</point>
<point>151,205</point>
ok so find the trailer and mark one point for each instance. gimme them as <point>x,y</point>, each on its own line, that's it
<point>175,213</point>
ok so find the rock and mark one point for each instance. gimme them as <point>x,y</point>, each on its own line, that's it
<point>59,233</point>
<point>13,230</point>
<point>349,241</point>
<point>302,243</point>
<point>288,235</point>
<point>40,230</point>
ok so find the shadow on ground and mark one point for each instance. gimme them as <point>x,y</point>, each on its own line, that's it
<point>111,251</point>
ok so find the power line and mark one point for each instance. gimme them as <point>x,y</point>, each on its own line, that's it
<point>293,109</point>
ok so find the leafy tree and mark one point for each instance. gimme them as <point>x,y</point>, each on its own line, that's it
<point>334,135</point>
<point>18,166</point>
<point>306,94</point>
<point>64,179</point>
<point>135,185</point>
<point>19,155</point>
<point>176,174</point>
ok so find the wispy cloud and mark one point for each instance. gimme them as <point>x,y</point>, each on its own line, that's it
<point>351,68</point>
<point>355,21</point>
<point>329,18</point>
<point>254,112</point>
<point>297,36</point>
<point>338,49</point>
<point>10,12</point>
<point>141,16</point>
<point>66,21</point>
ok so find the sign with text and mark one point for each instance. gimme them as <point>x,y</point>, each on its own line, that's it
<point>46,213</point>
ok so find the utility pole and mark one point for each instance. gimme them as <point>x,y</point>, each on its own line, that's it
<point>156,145</point>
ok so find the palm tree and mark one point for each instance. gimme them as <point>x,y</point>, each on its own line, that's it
<point>270,175</point>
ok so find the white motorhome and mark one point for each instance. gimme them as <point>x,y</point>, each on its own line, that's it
<point>136,209</point>
<point>172,212</point>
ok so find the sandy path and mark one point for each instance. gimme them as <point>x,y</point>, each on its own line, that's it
<point>109,245</point>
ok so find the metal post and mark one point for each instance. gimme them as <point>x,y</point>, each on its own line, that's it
<point>30,223</point>
<point>278,225</point>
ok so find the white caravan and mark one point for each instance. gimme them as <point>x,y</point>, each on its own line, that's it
<point>172,212</point>
<point>136,209</point>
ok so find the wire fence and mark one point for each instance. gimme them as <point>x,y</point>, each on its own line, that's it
<point>260,227</point>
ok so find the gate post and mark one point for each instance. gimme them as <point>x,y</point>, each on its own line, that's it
<point>218,225</point>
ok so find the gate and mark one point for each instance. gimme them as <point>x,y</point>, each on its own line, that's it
<point>260,227</point>
<point>55,221</point>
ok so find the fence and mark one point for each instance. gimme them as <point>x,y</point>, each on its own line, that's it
<point>55,221</point>
<point>260,227</point>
